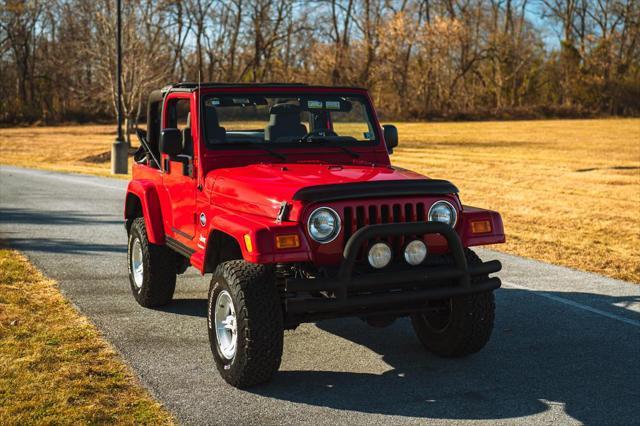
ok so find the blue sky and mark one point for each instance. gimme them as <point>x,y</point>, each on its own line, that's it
<point>549,30</point>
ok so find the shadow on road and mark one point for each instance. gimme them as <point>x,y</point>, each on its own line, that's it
<point>57,217</point>
<point>542,356</point>
<point>64,218</point>
<point>62,246</point>
<point>188,307</point>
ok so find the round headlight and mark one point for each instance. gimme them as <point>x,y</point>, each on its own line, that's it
<point>415,252</point>
<point>443,211</point>
<point>379,255</point>
<point>324,225</point>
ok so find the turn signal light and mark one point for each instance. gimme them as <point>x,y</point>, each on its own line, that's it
<point>287,241</point>
<point>481,227</point>
<point>247,242</point>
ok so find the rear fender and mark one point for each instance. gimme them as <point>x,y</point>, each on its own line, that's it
<point>143,195</point>
<point>474,214</point>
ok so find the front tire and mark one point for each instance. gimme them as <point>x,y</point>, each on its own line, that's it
<point>458,326</point>
<point>152,270</point>
<point>245,323</point>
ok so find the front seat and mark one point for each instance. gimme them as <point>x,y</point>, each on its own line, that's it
<point>215,132</point>
<point>284,122</point>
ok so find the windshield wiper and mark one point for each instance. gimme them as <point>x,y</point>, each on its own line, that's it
<point>327,142</point>
<point>273,153</point>
<point>265,149</point>
<point>347,150</point>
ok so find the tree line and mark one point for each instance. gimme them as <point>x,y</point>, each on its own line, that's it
<point>420,59</point>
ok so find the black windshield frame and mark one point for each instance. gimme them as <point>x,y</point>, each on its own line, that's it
<point>362,98</point>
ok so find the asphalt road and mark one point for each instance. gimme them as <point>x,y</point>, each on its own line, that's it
<point>566,346</point>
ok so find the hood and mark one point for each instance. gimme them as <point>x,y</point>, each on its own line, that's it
<point>261,188</point>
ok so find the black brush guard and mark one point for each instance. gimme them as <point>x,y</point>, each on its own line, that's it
<point>354,292</point>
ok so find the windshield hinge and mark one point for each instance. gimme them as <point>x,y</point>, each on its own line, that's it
<point>283,212</point>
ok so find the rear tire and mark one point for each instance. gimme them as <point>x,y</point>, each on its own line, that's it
<point>152,268</point>
<point>245,323</point>
<point>462,325</point>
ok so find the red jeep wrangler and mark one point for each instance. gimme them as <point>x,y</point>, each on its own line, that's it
<point>286,194</point>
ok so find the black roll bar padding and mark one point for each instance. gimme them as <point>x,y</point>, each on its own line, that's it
<point>393,229</point>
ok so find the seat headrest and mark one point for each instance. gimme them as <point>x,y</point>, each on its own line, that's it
<point>211,116</point>
<point>188,125</point>
<point>285,109</point>
<point>215,133</point>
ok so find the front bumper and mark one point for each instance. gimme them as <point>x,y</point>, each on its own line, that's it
<point>407,289</point>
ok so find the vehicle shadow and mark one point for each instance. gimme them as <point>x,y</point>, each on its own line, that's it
<point>543,356</point>
<point>57,217</point>
<point>69,243</point>
<point>188,307</point>
<point>61,246</point>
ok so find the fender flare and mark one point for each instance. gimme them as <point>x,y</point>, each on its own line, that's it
<point>236,227</point>
<point>262,237</point>
<point>147,195</point>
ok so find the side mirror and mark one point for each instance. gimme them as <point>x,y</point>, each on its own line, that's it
<point>171,142</point>
<point>390,137</point>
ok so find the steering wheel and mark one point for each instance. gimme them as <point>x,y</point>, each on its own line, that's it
<point>320,133</point>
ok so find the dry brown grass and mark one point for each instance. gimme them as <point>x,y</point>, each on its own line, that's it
<point>55,368</point>
<point>568,190</point>
<point>60,148</point>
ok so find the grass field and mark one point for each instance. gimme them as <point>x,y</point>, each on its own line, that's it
<point>79,149</point>
<point>55,368</point>
<point>568,190</point>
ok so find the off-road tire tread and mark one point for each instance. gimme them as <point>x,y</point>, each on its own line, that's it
<point>259,317</point>
<point>473,329</point>
<point>159,261</point>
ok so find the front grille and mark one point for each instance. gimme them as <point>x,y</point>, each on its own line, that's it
<point>356,217</point>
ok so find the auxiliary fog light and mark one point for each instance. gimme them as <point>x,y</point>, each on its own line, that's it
<point>379,255</point>
<point>415,252</point>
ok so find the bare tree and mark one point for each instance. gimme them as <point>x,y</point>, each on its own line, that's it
<point>418,57</point>
<point>19,23</point>
<point>144,60</point>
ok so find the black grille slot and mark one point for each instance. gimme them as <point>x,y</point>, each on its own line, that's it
<point>384,212</point>
<point>420,213</point>
<point>348,223</point>
<point>360,219</point>
<point>408,213</point>
<point>373,215</point>
<point>397,213</point>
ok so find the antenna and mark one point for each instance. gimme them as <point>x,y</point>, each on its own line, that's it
<point>200,126</point>
<point>199,104</point>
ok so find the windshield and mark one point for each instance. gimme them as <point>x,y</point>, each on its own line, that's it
<point>287,120</point>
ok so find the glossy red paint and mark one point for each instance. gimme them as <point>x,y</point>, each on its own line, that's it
<point>240,191</point>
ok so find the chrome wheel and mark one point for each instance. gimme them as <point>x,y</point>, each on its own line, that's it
<point>226,327</point>
<point>137,266</point>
